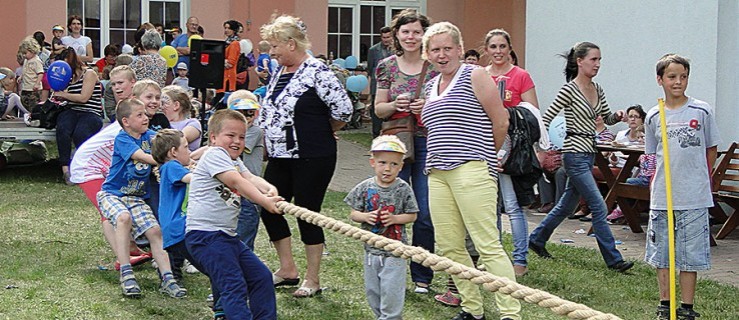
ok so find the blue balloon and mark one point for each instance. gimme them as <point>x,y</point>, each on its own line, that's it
<point>339,62</point>
<point>351,62</point>
<point>558,131</point>
<point>261,92</point>
<point>356,83</point>
<point>59,75</point>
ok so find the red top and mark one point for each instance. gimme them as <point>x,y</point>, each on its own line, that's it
<point>517,81</point>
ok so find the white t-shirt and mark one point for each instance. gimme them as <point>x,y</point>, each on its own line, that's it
<point>79,44</point>
<point>92,159</point>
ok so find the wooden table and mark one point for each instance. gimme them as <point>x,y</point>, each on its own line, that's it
<point>12,130</point>
<point>618,189</point>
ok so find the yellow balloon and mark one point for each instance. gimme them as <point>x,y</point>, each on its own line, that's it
<point>169,54</point>
<point>195,36</point>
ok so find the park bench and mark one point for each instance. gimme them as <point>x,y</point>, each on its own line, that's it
<point>726,189</point>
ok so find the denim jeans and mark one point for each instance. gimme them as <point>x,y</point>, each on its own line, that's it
<point>74,126</point>
<point>580,182</point>
<point>519,226</point>
<point>248,224</point>
<point>423,229</point>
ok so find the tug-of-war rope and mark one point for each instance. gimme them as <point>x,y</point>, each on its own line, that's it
<point>437,263</point>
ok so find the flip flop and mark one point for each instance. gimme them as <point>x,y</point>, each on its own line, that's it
<point>280,281</point>
<point>305,292</point>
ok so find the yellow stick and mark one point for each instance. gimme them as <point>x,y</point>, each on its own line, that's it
<point>670,215</point>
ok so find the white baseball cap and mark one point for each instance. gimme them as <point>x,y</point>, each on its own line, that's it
<point>388,143</point>
<point>181,66</point>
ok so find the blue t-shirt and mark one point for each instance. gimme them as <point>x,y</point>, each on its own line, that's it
<point>181,41</point>
<point>172,192</point>
<point>260,62</point>
<point>129,177</point>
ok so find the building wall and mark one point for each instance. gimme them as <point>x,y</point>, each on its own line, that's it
<point>632,37</point>
<point>23,18</point>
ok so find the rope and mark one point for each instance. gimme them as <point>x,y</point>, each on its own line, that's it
<point>488,281</point>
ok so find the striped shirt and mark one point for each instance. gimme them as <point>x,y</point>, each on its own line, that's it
<point>94,104</point>
<point>459,130</point>
<point>579,116</point>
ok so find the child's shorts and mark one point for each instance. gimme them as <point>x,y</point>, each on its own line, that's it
<point>113,206</point>
<point>692,243</point>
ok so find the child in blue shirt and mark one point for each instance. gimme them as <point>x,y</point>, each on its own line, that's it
<point>263,61</point>
<point>123,194</point>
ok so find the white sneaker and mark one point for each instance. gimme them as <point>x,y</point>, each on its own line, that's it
<point>189,268</point>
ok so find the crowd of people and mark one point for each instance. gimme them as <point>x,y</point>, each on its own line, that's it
<point>444,176</point>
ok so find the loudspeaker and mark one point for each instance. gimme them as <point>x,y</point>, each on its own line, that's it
<point>206,63</point>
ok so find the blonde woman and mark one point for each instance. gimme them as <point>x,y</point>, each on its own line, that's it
<point>304,105</point>
<point>179,111</point>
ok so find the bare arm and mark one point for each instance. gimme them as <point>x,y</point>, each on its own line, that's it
<point>234,180</point>
<point>336,125</point>
<point>187,178</point>
<point>491,103</point>
<point>191,133</point>
<point>530,97</point>
<point>363,217</point>
<point>261,184</point>
<point>88,86</point>
<point>144,157</point>
<point>391,219</point>
<point>87,58</point>
<point>195,155</point>
<point>183,51</point>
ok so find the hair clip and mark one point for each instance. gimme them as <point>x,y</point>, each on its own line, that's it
<point>301,26</point>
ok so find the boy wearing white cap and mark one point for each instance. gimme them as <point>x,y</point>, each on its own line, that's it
<point>182,79</point>
<point>383,204</point>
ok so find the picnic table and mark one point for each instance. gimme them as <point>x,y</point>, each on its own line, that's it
<point>618,189</point>
<point>12,130</point>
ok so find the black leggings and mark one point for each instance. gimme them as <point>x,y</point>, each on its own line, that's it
<point>305,180</point>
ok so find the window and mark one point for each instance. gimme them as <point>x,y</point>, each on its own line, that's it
<point>354,25</point>
<point>116,21</point>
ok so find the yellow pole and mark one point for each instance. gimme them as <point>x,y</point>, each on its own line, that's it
<point>670,216</point>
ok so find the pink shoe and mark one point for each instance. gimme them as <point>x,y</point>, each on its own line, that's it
<point>448,299</point>
<point>615,214</point>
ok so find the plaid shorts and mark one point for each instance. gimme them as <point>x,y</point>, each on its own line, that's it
<point>113,206</point>
<point>692,243</point>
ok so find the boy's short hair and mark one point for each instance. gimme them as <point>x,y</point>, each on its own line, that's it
<point>672,58</point>
<point>472,53</point>
<point>123,109</point>
<point>165,140</point>
<point>263,46</point>
<point>29,44</point>
<point>388,143</point>
<point>140,86</point>
<point>112,50</point>
<point>124,70</point>
<point>215,124</point>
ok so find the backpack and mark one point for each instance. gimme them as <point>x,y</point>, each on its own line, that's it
<point>15,153</point>
<point>46,113</point>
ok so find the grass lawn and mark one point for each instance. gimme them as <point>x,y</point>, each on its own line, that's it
<point>52,255</point>
<point>362,138</point>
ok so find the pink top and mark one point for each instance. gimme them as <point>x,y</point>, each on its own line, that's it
<point>517,81</point>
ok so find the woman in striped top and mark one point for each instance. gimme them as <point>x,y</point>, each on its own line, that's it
<point>582,100</point>
<point>464,120</point>
<point>83,116</point>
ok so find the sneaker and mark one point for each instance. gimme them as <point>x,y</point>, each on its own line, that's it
<point>621,266</point>
<point>540,251</point>
<point>463,315</point>
<point>172,289</point>
<point>67,179</point>
<point>209,300</point>
<point>422,289</point>
<point>615,214</point>
<point>189,268</point>
<point>663,312</point>
<point>687,314</point>
<point>448,299</point>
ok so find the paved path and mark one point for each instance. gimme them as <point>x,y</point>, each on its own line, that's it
<point>353,167</point>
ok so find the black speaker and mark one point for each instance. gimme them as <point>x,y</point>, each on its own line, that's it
<point>206,63</point>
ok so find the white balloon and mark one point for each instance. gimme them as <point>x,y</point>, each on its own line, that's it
<point>246,46</point>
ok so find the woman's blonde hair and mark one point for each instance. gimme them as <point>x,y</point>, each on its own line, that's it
<point>438,28</point>
<point>9,76</point>
<point>284,28</point>
<point>178,94</point>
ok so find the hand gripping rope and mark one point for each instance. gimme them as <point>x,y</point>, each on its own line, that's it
<point>437,263</point>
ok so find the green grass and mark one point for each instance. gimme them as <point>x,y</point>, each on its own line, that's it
<point>362,138</point>
<point>51,249</point>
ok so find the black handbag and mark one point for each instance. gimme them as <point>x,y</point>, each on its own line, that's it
<point>47,112</point>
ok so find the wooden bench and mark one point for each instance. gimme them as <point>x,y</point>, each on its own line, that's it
<point>726,189</point>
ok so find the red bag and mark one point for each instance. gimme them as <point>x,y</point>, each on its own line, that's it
<point>550,160</point>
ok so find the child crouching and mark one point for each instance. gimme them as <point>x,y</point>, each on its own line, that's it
<point>383,204</point>
<point>214,202</point>
<point>123,194</point>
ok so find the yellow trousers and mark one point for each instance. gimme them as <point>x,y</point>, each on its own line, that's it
<point>465,199</point>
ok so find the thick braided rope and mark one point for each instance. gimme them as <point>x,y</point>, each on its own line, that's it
<point>437,263</point>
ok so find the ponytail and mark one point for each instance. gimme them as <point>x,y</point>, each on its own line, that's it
<point>578,51</point>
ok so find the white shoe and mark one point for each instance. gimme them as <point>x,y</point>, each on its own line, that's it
<point>189,268</point>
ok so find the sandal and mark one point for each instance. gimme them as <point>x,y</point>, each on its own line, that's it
<point>130,287</point>
<point>172,289</point>
<point>280,281</point>
<point>306,292</point>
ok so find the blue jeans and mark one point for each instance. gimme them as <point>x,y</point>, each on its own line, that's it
<point>423,229</point>
<point>74,126</point>
<point>248,224</point>
<point>519,226</point>
<point>236,272</point>
<point>580,182</point>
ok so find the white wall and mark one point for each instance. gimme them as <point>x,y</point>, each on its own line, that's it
<point>633,35</point>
